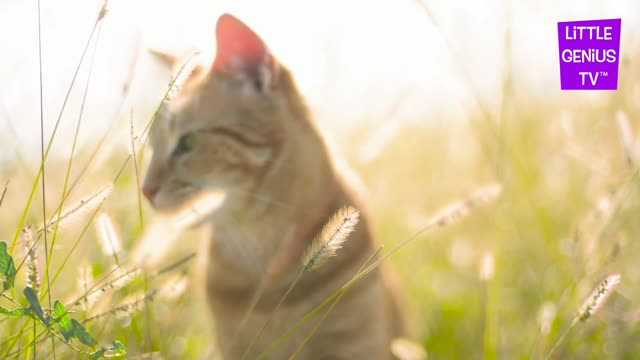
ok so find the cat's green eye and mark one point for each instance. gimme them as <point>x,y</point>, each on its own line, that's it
<point>186,143</point>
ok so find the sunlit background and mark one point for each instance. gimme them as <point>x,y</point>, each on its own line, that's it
<point>427,100</point>
<point>376,62</point>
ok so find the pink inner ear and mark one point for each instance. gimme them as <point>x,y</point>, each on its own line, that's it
<point>238,48</point>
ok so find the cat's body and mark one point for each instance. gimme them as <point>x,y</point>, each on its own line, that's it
<point>243,127</point>
<point>359,327</point>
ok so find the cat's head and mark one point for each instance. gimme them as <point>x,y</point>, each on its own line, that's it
<point>229,125</point>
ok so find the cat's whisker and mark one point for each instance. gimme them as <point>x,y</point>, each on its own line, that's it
<point>264,198</point>
<point>200,208</point>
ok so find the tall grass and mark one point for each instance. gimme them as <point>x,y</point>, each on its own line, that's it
<point>549,246</point>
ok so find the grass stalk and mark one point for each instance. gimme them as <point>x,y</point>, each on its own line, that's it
<point>275,310</point>
<point>71,156</point>
<point>42,170</point>
<point>326,314</point>
<point>4,192</point>
<point>443,218</point>
<point>135,166</point>
<point>560,339</point>
<point>482,107</point>
<point>489,342</point>
<point>324,246</point>
<point>589,307</point>
<point>34,187</point>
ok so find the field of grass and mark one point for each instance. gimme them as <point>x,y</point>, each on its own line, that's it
<point>508,281</point>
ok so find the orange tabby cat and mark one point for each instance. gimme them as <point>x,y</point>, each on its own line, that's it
<point>243,127</point>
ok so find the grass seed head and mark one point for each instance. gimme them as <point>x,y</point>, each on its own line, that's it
<point>109,237</point>
<point>460,209</point>
<point>405,349</point>
<point>487,266</point>
<point>85,205</point>
<point>33,274</point>
<point>598,297</point>
<point>331,238</point>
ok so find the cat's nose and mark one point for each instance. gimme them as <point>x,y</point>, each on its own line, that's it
<point>149,192</point>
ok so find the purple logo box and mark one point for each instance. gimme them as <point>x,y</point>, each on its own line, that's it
<point>589,54</point>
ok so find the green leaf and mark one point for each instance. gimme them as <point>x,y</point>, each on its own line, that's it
<point>64,321</point>
<point>17,312</point>
<point>82,334</point>
<point>115,350</point>
<point>32,297</point>
<point>7,267</point>
<point>97,354</point>
<point>119,349</point>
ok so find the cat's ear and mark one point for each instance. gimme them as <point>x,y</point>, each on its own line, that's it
<point>242,54</point>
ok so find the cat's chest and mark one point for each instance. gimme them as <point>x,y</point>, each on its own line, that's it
<point>243,248</point>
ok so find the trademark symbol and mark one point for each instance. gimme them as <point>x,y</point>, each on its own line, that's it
<point>604,73</point>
